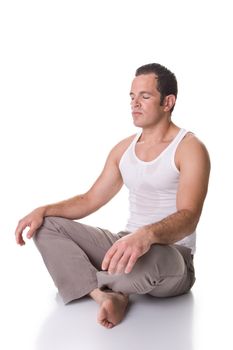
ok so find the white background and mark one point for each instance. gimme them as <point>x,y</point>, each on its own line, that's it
<point>65,74</point>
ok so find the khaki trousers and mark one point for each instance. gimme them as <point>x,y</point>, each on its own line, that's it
<point>73,253</point>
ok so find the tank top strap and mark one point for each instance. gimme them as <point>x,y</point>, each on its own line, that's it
<point>181,134</point>
<point>179,137</point>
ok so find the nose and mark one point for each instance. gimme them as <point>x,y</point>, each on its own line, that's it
<point>135,102</point>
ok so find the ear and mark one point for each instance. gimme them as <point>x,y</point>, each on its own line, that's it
<point>169,102</point>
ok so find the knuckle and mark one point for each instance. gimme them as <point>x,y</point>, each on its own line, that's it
<point>109,254</point>
<point>134,257</point>
<point>121,266</point>
<point>114,260</point>
<point>132,262</point>
<point>138,250</point>
<point>122,243</point>
<point>122,246</point>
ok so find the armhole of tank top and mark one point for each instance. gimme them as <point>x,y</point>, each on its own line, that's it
<point>182,135</point>
<point>128,148</point>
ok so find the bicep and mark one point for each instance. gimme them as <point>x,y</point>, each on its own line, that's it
<point>194,177</point>
<point>107,184</point>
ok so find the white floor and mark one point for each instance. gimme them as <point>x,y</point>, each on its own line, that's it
<point>34,317</point>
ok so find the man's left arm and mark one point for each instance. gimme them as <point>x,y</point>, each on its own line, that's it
<point>193,162</point>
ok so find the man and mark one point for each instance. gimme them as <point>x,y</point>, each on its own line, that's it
<point>166,170</point>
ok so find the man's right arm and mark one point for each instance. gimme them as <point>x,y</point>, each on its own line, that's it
<point>105,187</point>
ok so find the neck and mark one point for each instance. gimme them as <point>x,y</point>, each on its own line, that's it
<point>157,133</point>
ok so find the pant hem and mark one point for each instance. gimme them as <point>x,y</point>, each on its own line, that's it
<point>78,294</point>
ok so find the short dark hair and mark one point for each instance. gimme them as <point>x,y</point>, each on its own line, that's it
<point>166,82</point>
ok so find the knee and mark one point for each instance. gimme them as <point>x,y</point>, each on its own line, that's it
<point>166,260</point>
<point>45,230</point>
<point>152,269</point>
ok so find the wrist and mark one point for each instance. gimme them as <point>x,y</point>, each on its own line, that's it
<point>150,234</point>
<point>42,211</point>
<point>147,235</point>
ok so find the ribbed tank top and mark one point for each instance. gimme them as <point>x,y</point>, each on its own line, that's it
<point>152,187</point>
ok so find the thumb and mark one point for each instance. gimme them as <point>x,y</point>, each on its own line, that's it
<point>31,232</point>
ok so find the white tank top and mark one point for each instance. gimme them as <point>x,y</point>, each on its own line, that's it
<point>152,187</point>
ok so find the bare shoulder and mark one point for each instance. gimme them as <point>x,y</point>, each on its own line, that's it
<point>192,149</point>
<point>119,149</point>
<point>192,143</point>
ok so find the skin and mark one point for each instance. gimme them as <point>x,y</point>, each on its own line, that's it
<point>192,161</point>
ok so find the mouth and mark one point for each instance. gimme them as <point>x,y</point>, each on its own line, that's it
<point>135,113</point>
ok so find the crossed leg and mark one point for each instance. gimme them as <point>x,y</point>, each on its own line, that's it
<point>73,254</point>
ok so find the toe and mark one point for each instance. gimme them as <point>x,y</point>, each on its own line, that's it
<point>109,324</point>
<point>105,323</point>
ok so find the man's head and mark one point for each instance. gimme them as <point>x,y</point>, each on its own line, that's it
<point>153,95</point>
<point>166,80</point>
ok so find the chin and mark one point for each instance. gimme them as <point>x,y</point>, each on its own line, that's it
<point>138,124</point>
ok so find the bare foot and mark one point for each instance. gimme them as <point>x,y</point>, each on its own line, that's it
<point>112,307</point>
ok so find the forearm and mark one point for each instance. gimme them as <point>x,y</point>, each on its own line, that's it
<point>73,208</point>
<point>124,253</point>
<point>173,228</point>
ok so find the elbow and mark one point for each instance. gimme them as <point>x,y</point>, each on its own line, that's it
<point>192,218</point>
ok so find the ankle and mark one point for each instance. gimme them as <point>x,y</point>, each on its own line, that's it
<point>97,295</point>
<point>100,295</point>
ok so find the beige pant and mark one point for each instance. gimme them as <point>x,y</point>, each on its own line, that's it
<point>73,253</point>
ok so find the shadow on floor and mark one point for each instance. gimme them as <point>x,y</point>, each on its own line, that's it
<point>160,324</point>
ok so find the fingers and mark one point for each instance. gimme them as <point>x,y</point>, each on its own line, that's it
<point>30,232</point>
<point>33,227</point>
<point>114,266</point>
<point>118,260</point>
<point>124,253</point>
<point>133,259</point>
<point>120,268</point>
<point>108,257</point>
<point>19,232</point>
<point>33,220</point>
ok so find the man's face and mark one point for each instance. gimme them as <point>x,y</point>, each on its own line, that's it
<point>145,101</point>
